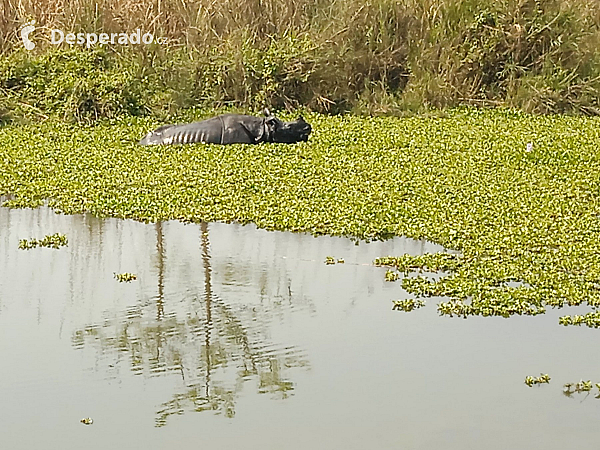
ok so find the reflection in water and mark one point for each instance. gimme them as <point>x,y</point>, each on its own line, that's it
<point>161,271</point>
<point>221,315</point>
<point>215,348</point>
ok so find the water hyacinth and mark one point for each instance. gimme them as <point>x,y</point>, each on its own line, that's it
<point>542,379</point>
<point>429,262</point>
<point>526,225</point>
<point>407,305</point>
<point>591,319</point>
<point>582,386</point>
<point>55,241</point>
<point>125,277</point>
<point>391,275</point>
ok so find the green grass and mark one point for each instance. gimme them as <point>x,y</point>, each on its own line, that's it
<point>382,57</point>
<point>464,181</point>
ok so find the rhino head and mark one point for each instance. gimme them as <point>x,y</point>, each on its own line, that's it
<point>286,132</point>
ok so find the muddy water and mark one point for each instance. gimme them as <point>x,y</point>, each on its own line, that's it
<point>234,337</point>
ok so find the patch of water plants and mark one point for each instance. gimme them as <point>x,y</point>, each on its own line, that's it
<point>330,260</point>
<point>569,389</point>
<point>125,277</point>
<point>580,387</point>
<point>591,319</point>
<point>524,224</point>
<point>480,296</point>
<point>55,240</point>
<point>544,378</point>
<point>407,305</point>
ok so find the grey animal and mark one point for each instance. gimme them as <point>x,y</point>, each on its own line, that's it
<point>232,129</point>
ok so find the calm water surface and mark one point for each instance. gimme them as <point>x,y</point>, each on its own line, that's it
<point>234,337</point>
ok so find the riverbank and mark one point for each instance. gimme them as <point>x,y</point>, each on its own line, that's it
<point>382,57</point>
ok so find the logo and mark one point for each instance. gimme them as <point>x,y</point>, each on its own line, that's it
<point>57,37</point>
<point>90,39</point>
<point>25,31</point>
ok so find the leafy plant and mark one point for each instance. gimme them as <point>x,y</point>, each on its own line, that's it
<point>542,379</point>
<point>55,241</point>
<point>125,277</point>
<point>522,228</point>
<point>407,305</point>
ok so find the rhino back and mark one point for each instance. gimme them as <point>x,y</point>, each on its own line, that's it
<point>241,129</point>
<point>207,131</point>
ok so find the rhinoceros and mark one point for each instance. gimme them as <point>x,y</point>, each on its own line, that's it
<point>232,129</point>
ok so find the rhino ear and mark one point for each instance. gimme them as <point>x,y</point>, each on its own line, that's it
<point>272,122</point>
<point>266,112</point>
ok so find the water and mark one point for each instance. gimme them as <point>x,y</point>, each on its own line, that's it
<point>236,337</point>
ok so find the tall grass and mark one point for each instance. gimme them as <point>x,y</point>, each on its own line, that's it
<point>378,56</point>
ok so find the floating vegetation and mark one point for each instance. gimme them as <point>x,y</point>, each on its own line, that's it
<point>543,378</point>
<point>87,421</point>
<point>55,240</point>
<point>473,290</point>
<point>125,277</point>
<point>582,386</point>
<point>329,260</point>
<point>429,262</point>
<point>591,319</point>
<point>390,275</point>
<point>407,305</point>
<point>522,228</point>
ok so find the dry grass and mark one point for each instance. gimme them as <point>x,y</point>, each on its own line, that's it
<point>378,56</point>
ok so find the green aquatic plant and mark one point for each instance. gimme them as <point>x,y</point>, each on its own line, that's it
<point>125,277</point>
<point>542,379</point>
<point>407,305</point>
<point>521,229</point>
<point>582,386</point>
<point>24,244</point>
<point>55,240</point>
<point>329,260</point>
<point>390,275</point>
<point>429,262</point>
<point>591,319</point>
